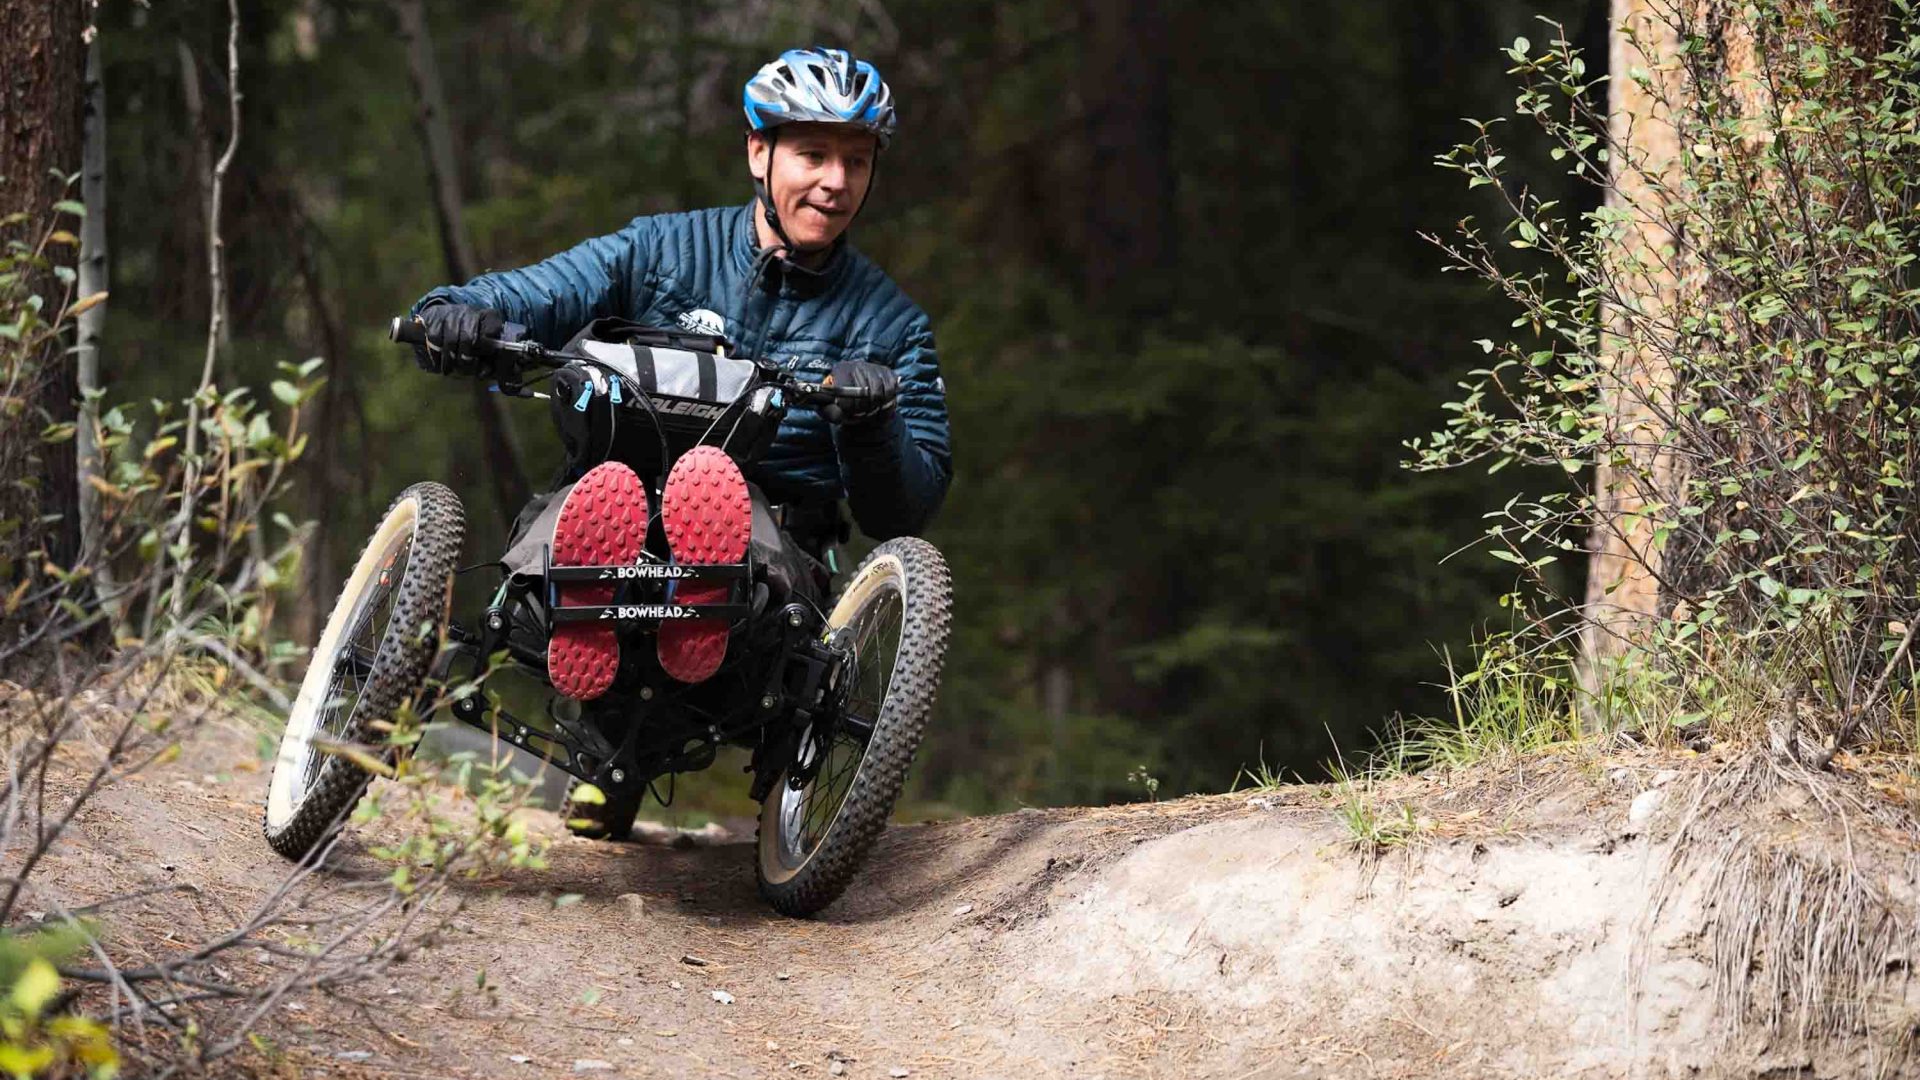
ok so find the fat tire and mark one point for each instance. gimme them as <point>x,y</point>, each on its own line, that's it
<point>423,597</point>
<point>926,618</point>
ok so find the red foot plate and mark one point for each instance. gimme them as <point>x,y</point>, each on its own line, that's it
<point>709,521</point>
<point>602,523</point>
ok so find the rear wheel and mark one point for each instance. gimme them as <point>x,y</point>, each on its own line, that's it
<point>372,659</point>
<point>826,810</point>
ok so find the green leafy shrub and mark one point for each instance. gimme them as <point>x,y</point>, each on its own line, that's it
<point>1769,480</point>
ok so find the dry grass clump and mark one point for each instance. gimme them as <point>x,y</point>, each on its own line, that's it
<point>1803,884</point>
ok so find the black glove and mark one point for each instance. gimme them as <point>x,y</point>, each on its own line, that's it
<point>454,333</point>
<point>878,380</point>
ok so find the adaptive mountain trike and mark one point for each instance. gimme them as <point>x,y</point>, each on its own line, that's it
<point>830,699</point>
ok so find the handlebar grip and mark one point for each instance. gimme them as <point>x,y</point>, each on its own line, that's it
<point>407,330</point>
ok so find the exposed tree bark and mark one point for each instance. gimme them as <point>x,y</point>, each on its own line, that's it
<point>502,449</point>
<point>94,537</point>
<point>42,105</point>
<point>1129,201</point>
<point>1652,265</point>
<point>1622,582</point>
<point>203,164</point>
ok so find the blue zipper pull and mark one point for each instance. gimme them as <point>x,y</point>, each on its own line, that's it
<point>586,395</point>
<point>613,389</point>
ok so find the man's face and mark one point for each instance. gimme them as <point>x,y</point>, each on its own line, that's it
<point>817,176</point>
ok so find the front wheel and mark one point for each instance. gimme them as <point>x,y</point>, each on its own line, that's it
<point>827,809</point>
<point>372,659</point>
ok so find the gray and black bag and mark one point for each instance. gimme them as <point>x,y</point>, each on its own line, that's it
<point>644,396</point>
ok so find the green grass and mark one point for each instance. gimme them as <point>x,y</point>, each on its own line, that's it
<point>1506,704</point>
<point>1373,823</point>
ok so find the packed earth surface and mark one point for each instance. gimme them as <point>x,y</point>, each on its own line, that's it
<point>1522,920</point>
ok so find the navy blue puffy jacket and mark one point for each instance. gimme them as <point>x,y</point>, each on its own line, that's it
<point>689,271</point>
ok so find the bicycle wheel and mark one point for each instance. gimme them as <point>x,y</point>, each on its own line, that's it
<point>824,813</point>
<point>372,658</point>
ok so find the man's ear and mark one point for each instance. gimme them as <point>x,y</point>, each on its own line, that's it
<point>758,157</point>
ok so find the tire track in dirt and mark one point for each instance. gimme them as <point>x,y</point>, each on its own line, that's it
<point>891,977</point>
<point>1225,936</point>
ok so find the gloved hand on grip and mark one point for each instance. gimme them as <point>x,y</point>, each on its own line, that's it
<point>454,333</point>
<point>880,382</point>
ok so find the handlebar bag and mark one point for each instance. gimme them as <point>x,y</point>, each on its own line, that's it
<point>644,396</point>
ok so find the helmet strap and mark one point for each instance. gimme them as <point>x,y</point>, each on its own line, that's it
<point>764,194</point>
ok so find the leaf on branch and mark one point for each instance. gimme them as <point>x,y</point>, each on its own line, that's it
<point>87,303</point>
<point>356,755</point>
<point>35,987</point>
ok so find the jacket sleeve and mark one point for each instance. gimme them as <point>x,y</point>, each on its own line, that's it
<point>895,471</point>
<point>555,298</point>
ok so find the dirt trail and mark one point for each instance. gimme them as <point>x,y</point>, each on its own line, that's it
<point>1230,936</point>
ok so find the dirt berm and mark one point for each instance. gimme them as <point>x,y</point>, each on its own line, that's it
<point>1634,915</point>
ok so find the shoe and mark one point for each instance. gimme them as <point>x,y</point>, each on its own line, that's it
<point>709,521</point>
<point>602,523</point>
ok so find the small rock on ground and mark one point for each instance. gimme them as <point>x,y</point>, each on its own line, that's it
<point>1644,805</point>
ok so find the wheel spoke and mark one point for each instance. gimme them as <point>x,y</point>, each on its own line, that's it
<point>869,641</point>
<point>354,664</point>
<point>357,661</point>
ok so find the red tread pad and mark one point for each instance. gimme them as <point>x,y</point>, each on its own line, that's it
<point>709,520</point>
<point>602,523</point>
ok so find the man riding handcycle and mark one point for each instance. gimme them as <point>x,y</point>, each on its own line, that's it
<point>721,380</point>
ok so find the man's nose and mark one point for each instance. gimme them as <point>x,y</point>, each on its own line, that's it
<point>833,177</point>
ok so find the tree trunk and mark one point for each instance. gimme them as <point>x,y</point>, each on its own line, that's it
<point>326,462</point>
<point>1127,259</point>
<point>202,164</point>
<point>1622,582</point>
<point>42,107</point>
<point>1651,264</point>
<point>95,540</point>
<point>502,449</point>
<point>1128,211</point>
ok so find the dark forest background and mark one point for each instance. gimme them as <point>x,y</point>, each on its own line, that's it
<point>1170,250</point>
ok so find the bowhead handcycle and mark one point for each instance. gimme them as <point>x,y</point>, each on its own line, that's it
<point>829,698</point>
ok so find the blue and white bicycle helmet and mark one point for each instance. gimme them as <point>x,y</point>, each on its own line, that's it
<point>825,86</point>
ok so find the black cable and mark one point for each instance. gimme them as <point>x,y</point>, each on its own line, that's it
<point>659,429</point>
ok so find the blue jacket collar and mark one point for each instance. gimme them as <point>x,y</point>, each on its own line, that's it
<point>803,281</point>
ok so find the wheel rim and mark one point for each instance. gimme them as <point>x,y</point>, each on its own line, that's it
<point>353,664</point>
<point>869,620</point>
<point>342,662</point>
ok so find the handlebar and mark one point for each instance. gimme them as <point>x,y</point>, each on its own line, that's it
<point>510,359</point>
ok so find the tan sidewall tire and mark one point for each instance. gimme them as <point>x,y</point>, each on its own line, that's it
<point>915,569</point>
<point>296,820</point>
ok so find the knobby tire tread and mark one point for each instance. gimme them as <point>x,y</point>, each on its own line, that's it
<point>423,596</point>
<point>926,619</point>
